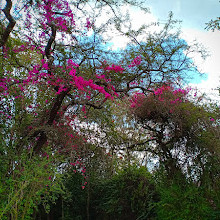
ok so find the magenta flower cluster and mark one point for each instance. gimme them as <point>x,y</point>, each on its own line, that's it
<point>135,62</point>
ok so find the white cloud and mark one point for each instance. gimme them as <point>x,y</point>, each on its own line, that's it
<point>211,65</point>
<point>138,18</point>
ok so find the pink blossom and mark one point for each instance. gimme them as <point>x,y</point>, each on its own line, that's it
<point>135,62</point>
<point>88,24</point>
<point>115,68</point>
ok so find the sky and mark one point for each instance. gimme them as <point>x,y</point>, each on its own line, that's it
<point>193,14</point>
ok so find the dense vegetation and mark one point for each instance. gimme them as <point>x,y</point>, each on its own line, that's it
<point>93,133</point>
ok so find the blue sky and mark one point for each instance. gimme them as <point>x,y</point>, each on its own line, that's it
<point>193,13</point>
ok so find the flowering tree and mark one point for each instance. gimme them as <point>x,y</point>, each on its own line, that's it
<point>43,86</point>
<point>55,74</point>
<point>181,132</point>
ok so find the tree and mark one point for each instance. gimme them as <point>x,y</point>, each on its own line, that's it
<point>57,74</point>
<point>183,135</point>
<point>178,128</point>
<point>50,73</point>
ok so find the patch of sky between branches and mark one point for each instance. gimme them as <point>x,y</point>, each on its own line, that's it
<point>196,78</point>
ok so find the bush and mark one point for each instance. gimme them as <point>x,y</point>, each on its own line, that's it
<point>130,194</point>
<point>184,202</point>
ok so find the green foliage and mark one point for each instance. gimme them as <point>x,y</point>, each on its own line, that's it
<point>27,182</point>
<point>130,194</point>
<point>71,204</point>
<point>181,201</point>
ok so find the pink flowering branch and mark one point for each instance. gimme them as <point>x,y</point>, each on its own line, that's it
<point>115,68</point>
<point>135,62</point>
<point>89,24</point>
<point>56,16</point>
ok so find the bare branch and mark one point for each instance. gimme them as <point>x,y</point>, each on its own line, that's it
<point>11,24</point>
<point>50,41</point>
<point>141,143</point>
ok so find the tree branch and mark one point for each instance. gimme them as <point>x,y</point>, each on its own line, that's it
<point>42,138</point>
<point>48,48</point>
<point>141,143</point>
<point>50,41</point>
<point>11,24</point>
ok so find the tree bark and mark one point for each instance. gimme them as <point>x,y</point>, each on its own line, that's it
<point>11,24</point>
